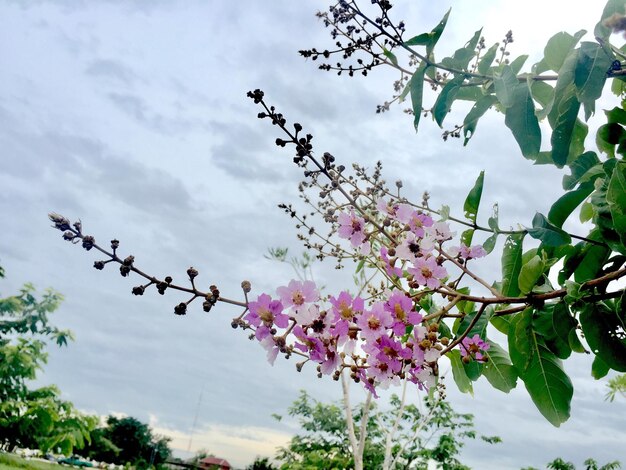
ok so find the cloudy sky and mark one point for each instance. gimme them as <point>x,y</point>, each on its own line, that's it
<point>132,116</point>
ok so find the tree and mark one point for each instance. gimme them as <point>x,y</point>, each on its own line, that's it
<point>432,431</point>
<point>128,441</point>
<point>425,298</point>
<point>616,386</point>
<point>261,464</point>
<point>36,418</point>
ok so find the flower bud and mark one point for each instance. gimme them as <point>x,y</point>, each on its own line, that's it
<point>88,242</point>
<point>192,273</point>
<point>180,309</point>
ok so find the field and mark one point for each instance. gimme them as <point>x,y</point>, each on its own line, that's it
<point>10,461</point>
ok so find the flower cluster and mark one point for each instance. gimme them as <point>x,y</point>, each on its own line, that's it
<point>387,338</point>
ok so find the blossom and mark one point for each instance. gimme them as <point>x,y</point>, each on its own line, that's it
<point>391,270</point>
<point>374,322</point>
<point>351,227</point>
<point>267,312</point>
<point>296,296</point>
<point>345,308</point>
<point>427,272</point>
<point>474,347</point>
<point>414,219</point>
<point>401,308</point>
<point>440,231</point>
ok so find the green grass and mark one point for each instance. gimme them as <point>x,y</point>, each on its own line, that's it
<point>11,462</point>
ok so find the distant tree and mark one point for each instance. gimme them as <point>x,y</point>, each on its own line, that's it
<point>590,464</point>
<point>35,418</point>
<point>128,441</point>
<point>199,455</point>
<point>261,464</point>
<point>433,431</point>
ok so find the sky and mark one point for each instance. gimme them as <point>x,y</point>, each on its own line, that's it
<point>132,117</point>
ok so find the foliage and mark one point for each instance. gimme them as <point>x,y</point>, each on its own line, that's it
<point>616,386</point>
<point>590,464</point>
<point>431,431</point>
<point>36,418</point>
<point>425,300</point>
<point>261,464</point>
<point>127,441</point>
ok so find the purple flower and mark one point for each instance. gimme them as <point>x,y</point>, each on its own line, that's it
<point>267,312</point>
<point>416,221</point>
<point>374,322</point>
<point>474,347</point>
<point>427,272</point>
<point>391,270</point>
<point>345,308</point>
<point>401,308</point>
<point>351,227</point>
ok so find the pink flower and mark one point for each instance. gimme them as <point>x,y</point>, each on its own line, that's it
<point>427,272</point>
<point>387,208</point>
<point>351,227</point>
<point>474,347</point>
<point>374,322</point>
<point>296,296</point>
<point>267,312</point>
<point>345,308</point>
<point>416,221</point>
<point>440,231</point>
<point>401,308</point>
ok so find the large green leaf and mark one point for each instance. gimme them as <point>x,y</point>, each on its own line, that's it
<point>487,59</point>
<point>579,167</point>
<point>429,39</point>
<point>471,120</point>
<point>591,73</point>
<point>505,83</point>
<point>544,324</point>
<point>446,98</point>
<point>521,119</point>
<point>616,198</point>
<point>511,264</point>
<point>530,273</point>
<point>565,205</point>
<point>458,372</point>
<point>498,369</point>
<point>461,57</point>
<point>602,215</point>
<point>599,368</point>
<point>546,382</point>
<point>472,202</point>
<point>550,235</point>
<point>604,331</point>
<point>417,91</point>
<point>558,47</point>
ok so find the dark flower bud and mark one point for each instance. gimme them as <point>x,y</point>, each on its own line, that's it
<point>78,226</point>
<point>115,244</point>
<point>139,290</point>
<point>128,261</point>
<point>234,324</point>
<point>99,265</point>
<point>168,279</point>
<point>297,127</point>
<point>192,273</point>
<point>206,306</point>
<point>60,222</point>
<point>124,270</point>
<point>180,309</point>
<point>68,236</point>
<point>161,286</point>
<point>246,286</point>
<point>88,242</point>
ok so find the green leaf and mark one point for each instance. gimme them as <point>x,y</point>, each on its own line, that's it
<point>417,91</point>
<point>616,199</point>
<point>458,373</point>
<point>602,215</point>
<point>546,382</point>
<point>446,98</point>
<point>612,7</point>
<point>472,202</point>
<point>478,110</point>
<point>558,47</point>
<point>586,212</point>
<point>599,368</point>
<point>544,325</point>
<point>490,243</point>
<point>590,75</point>
<point>466,236</point>
<point>544,95</point>
<point>493,220</point>
<point>565,205</point>
<point>520,118</point>
<point>565,113</point>
<point>505,84</point>
<point>604,332</point>
<point>391,56</point>
<point>549,234</point>
<point>498,369</point>
<point>511,264</point>
<point>563,322</point>
<point>487,60</point>
<point>579,167</point>
<point>517,64</point>
<point>461,57</point>
<point>530,273</point>
<point>429,39</point>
